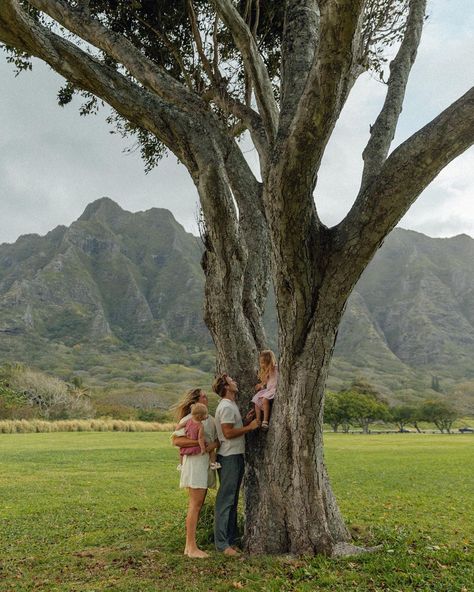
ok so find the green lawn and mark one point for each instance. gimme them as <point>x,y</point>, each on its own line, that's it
<point>102,511</point>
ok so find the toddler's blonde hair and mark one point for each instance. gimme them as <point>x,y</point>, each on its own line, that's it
<point>198,411</point>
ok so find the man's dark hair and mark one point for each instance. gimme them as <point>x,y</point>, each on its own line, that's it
<point>219,386</point>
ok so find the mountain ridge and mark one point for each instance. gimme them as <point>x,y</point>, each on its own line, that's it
<point>117,279</point>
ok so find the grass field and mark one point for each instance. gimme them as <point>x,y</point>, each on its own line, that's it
<point>101,511</point>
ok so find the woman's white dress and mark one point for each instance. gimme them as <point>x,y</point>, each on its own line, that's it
<point>195,471</point>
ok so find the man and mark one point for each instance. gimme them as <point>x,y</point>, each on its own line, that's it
<point>231,433</point>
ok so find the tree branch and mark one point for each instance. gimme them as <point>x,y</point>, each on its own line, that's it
<point>123,51</point>
<point>383,130</point>
<point>88,73</point>
<point>404,175</point>
<point>300,39</point>
<point>173,49</point>
<point>254,64</point>
<point>326,89</point>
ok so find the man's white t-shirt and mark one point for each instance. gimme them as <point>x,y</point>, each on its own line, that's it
<point>228,412</point>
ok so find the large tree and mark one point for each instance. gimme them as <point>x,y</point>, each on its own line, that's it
<point>191,76</point>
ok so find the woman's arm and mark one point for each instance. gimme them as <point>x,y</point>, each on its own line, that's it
<point>184,442</point>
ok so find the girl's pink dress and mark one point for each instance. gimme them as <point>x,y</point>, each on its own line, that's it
<point>192,432</point>
<point>269,391</point>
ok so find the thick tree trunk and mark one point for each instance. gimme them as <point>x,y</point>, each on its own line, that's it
<point>290,506</point>
<point>236,264</point>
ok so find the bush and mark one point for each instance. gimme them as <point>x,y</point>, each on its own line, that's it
<point>52,397</point>
<point>153,415</point>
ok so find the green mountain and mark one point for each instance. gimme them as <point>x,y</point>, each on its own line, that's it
<point>112,275</point>
<point>117,298</point>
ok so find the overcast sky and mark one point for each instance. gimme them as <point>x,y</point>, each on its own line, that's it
<point>54,162</point>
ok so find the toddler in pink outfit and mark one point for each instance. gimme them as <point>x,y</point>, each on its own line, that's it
<point>194,430</point>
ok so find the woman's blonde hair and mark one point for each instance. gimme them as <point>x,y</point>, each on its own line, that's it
<point>183,407</point>
<point>267,362</point>
<point>198,410</point>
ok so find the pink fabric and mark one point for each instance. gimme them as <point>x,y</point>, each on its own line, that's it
<point>269,391</point>
<point>192,432</point>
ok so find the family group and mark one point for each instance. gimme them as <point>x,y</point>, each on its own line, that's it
<point>210,445</point>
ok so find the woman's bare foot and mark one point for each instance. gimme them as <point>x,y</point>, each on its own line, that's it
<point>231,552</point>
<point>197,554</point>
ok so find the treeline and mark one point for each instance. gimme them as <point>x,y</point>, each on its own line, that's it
<point>361,405</point>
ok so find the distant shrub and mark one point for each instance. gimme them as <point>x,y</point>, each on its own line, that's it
<point>104,409</point>
<point>52,397</point>
<point>153,415</point>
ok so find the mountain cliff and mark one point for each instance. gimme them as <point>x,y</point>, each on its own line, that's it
<point>116,281</point>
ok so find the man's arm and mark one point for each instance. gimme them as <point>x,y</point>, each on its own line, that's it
<point>230,432</point>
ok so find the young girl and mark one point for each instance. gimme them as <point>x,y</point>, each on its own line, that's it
<point>268,377</point>
<point>194,430</point>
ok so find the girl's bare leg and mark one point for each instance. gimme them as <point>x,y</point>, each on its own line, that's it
<point>196,500</point>
<point>258,413</point>
<point>266,409</point>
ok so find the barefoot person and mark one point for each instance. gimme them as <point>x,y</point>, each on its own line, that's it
<point>196,475</point>
<point>231,433</point>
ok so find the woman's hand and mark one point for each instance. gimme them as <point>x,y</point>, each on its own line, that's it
<point>259,386</point>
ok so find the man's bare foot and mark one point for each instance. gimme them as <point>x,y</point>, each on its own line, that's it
<point>231,552</point>
<point>197,554</point>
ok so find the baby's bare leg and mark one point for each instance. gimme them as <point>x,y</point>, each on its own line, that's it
<point>201,439</point>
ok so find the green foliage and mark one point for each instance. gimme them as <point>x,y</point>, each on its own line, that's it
<point>162,30</point>
<point>405,414</point>
<point>107,514</point>
<point>440,413</point>
<point>360,405</point>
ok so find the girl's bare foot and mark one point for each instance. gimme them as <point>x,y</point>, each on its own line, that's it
<point>197,554</point>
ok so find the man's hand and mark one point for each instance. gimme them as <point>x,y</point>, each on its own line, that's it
<point>253,425</point>
<point>249,417</point>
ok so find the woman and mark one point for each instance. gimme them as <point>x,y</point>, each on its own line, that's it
<point>195,473</point>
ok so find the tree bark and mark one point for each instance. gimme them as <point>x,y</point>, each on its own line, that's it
<point>290,506</point>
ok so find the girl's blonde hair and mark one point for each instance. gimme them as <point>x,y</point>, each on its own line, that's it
<point>183,407</point>
<point>199,411</point>
<point>267,363</point>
